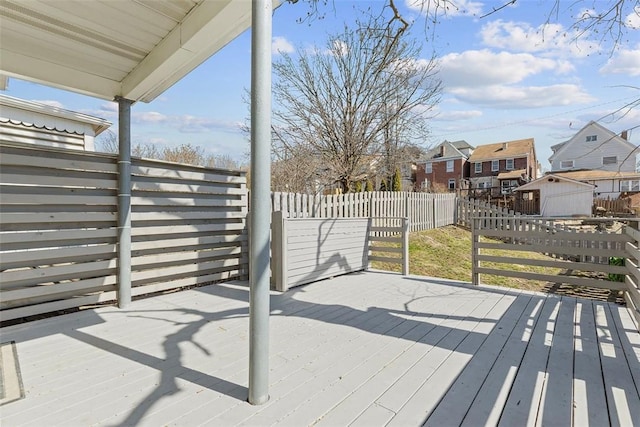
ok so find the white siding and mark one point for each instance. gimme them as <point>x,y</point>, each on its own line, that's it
<point>28,134</point>
<point>589,155</point>
<point>565,199</point>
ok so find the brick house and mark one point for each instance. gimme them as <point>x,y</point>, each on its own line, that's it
<point>503,166</point>
<point>445,167</point>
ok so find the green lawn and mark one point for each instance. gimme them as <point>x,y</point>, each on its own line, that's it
<point>446,252</point>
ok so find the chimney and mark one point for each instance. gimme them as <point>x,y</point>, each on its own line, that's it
<point>624,135</point>
<point>504,145</point>
<point>442,150</point>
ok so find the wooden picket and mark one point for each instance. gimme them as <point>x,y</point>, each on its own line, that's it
<point>424,210</point>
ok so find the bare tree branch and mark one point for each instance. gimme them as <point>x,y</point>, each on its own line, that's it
<point>342,103</point>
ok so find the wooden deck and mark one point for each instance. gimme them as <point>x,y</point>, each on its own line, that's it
<point>367,349</point>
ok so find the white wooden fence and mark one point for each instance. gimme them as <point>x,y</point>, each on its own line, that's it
<point>58,228</point>
<point>424,210</point>
<point>579,254</point>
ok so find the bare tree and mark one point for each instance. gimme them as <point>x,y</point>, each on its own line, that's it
<point>607,22</point>
<point>186,153</point>
<point>107,142</point>
<point>338,102</point>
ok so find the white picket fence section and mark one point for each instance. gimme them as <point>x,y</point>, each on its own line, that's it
<point>58,228</point>
<point>424,210</point>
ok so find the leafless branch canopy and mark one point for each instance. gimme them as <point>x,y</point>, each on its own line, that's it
<point>341,102</point>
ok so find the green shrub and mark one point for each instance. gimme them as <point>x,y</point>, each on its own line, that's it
<point>616,261</point>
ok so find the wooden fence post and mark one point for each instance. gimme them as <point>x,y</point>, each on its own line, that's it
<point>405,246</point>
<point>475,239</point>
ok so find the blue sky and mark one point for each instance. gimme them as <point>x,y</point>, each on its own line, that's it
<point>504,79</point>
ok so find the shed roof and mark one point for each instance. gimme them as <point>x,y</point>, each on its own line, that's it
<point>548,179</point>
<point>501,150</point>
<point>46,115</point>
<point>134,49</point>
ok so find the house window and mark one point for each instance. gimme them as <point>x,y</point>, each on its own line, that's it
<point>610,160</point>
<point>477,167</point>
<point>428,168</point>
<point>452,184</point>
<point>591,138</point>
<point>509,165</point>
<point>631,185</point>
<point>495,165</point>
<point>566,164</point>
<point>449,165</point>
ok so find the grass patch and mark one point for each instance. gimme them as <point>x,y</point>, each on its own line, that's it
<point>446,252</point>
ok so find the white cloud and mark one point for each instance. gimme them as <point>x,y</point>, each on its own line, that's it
<point>110,107</point>
<point>633,20</point>
<point>148,117</point>
<point>281,45</point>
<point>483,67</point>
<point>520,97</point>
<point>625,61</point>
<point>550,39</point>
<point>454,116</point>
<point>185,123</point>
<point>50,103</point>
<point>339,48</point>
<point>445,7</point>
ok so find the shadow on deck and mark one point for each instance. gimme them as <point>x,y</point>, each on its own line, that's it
<point>362,349</point>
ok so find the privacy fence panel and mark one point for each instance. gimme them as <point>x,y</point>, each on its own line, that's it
<point>58,232</point>
<point>310,249</point>
<point>58,235</point>
<point>188,225</point>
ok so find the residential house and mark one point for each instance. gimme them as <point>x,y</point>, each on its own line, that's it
<point>503,166</point>
<point>29,122</point>
<point>444,167</point>
<point>595,147</point>
<point>608,184</point>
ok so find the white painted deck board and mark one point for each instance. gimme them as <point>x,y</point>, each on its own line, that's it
<point>361,349</point>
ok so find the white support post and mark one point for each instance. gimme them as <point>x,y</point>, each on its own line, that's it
<point>259,260</point>
<point>124,202</point>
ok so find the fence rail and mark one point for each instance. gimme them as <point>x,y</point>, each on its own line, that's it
<point>58,228</point>
<point>580,254</point>
<point>424,210</point>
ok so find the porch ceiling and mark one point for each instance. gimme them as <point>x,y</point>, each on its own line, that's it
<point>135,49</point>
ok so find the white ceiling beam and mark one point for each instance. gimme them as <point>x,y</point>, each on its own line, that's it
<point>36,70</point>
<point>208,27</point>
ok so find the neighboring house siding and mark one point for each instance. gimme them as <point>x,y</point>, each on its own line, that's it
<point>589,154</point>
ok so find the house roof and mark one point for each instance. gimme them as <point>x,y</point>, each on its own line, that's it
<point>451,151</point>
<point>559,148</point>
<point>501,150</point>
<point>46,116</point>
<point>551,178</point>
<point>461,144</point>
<point>134,49</point>
<point>514,174</point>
<point>595,175</point>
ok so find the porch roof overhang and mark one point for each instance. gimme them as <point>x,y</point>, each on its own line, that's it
<point>134,49</point>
